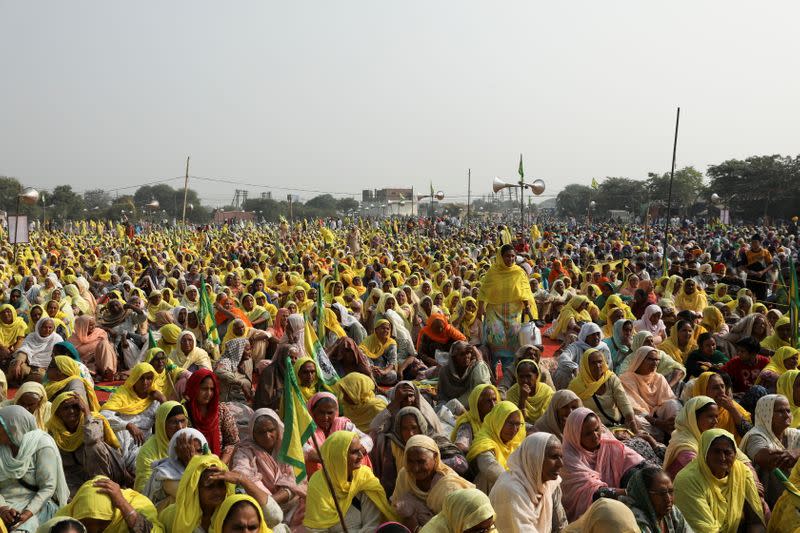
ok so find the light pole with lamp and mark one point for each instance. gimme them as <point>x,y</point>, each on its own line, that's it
<point>589,211</point>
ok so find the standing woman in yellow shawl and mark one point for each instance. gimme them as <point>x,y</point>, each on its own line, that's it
<point>131,410</point>
<point>343,455</point>
<point>528,393</point>
<point>691,298</point>
<point>789,386</point>
<point>681,341</point>
<point>717,492</point>
<point>12,331</point>
<point>733,418</point>
<point>170,417</point>
<point>423,482</point>
<point>356,393</point>
<point>502,432</point>
<point>505,297</point>
<point>381,349</point>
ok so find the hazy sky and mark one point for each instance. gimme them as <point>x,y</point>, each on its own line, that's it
<point>338,96</point>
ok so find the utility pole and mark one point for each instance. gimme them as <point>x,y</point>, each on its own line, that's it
<point>469,191</point>
<point>185,190</point>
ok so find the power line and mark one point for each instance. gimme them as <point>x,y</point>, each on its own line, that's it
<point>230,181</point>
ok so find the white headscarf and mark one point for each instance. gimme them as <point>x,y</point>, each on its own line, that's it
<point>40,349</point>
<point>521,501</point>
<point>765,408</point>
<point>644,324</point>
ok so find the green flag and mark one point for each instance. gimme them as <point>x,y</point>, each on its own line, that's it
<point>521,172</point>
<point>206,314</point>
<point>298,426</point>
<point>595,185</point>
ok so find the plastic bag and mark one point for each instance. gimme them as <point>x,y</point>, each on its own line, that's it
<point>529,334</point>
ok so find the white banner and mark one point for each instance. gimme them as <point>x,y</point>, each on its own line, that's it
<point>16,236</point>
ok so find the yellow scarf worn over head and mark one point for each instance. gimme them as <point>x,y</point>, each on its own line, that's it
<point>70,368</point>
<point>10,333</point>
<point>124,400</point>
<point>185,514</point>
<point>725,420</point>
<point>357,398</point>
<point>157,446</point>
<point>88,502</point>
<point>785,386</point>
<point>537,403</point>
<point>488,438</point>
<point>462,510</point>
<point>672,347</point>
<point>584,385</point>
<point>218,520</point>
<point>774,341</point>
<point>471,416</point>
<point>776,362</point>
<point>322,514</point>
<point>310,391</point>
<point>570,311</point>
<point>712,505</point>
<point>686,436</point>
<point>372,345</point>
<point>69,442</point>
<point>502,285</point>
<point>466,318</point>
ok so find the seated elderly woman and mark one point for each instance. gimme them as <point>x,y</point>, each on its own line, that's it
<point>596,463</point>
<point>381,348</point>
<point>789,386</point>
<point>667,367</point>
<point>188,355</point>
<point>481,401</point>
<point>33,397</point>
<point>650,495</point>
<point>202,490</point>
<point>464,371</point>
<point>259,340</point>
<point>698,414</point>
<point>324,410</point>
<point>528,496</point>
<point>86,442</point>
<point>571,318</point>
<point>102,505</point>
<point>131,411</point>
<point>171,416</point>
<point>256,457</point>
<point>467,510</point>
<point>64,375</point>
<point>94,347</point>
<point>239,512</point>
<point>554,418</point>
<point>346,357</point>
<point>733,418</point>
<point>343,456</point>
<point>772,443</point>
<point>785,358</point>
<point>526,351</point>
<point>34,354</point>
<point>570,358</point>
<point>404,394</point>
<point>213,418</point>
<point>782,335</point>
<point>649,393</point>
<point>528,393</point>
<point>234,370</point>
<point>357,399</point>
<point>619,341</point>
<point>437,335</point>
<point>387,454</point>
<point>651,322</point>
<point>502,432</point>
<point>717,492</point>
<point>423,482</point>
<point>32,483</point>
<point>162,487</point>
<point>681,341</point>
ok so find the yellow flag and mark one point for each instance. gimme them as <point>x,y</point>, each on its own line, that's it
<point>595,185</point>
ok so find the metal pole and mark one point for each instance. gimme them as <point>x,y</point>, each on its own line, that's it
<point>522,210</point>
<point>185,190</point>
<point>469,190</point>
<point>669,197</point>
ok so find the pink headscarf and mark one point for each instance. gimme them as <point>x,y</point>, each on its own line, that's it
<point>586,471</point>
<point>82,340</point>
<point>339,424</point>
<point>645,392</point>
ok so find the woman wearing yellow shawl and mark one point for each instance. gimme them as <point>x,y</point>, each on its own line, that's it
<point>528,393</point>
<point>12,330</point>
<point>111,509</point>
<point>721,294</point>
<point>713,321</point>
<point>570,318</point>
<point>784,358</point>
<point>465,319</point>
<point>463,510</point>
<point>681,341</point>
<point>504,298</point>
<point>481,401</point>
<point>615,302</point>
<point>33,398</point>
<point>423,482</point>
<point>169,338</point>
<point>357,399</point>
<point>733,418</point>
<point>239,512</point>
<point>781,336</point>
<point>789,386</point>
<point>602,391</point>
<point>131,409</point>
<point>502,432</point>
<point>86,442</point>
<point>691,298</point>
<point>381,349</point>
<point>343,454</point>
<point>170,417</point>
<point>305,368</point>
<point>712,490</point>
<point>155,304</point>
<point>64,374</point>
<point>258,315</point>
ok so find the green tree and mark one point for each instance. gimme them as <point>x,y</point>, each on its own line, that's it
<point>687,189</point>
<point>96,198</point>
<point>620,193</point>
<point>67,204</point>
<point>324,203</point>
<point>574,200</point>
<point>344,205</point>
<point>9,189</point>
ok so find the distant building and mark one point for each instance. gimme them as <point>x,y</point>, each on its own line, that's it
<point>220,217</point>
<point>388,202</point>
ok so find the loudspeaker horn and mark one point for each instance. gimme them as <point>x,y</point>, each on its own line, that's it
<point>498,185</point>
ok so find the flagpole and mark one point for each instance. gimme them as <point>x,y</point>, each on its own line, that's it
<point>669,197</point>
<point>328,482</point>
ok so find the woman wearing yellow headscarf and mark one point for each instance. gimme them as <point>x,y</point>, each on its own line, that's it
<point>731,415</point>
<point>530,394</point>
<point>170,417</point>
<point>117,510</point>
<point>712,490</point>
<point>65,374</point>
<point>784,358</point>
<point>681,341</point>
<point>343,454</point>
<point>357,398</point>
<point>713,321</point>
<point>381,348</point>
<point>615,301</point>
<point>789,386</point>
<point>463,510</point>
<point>305,369</point>
<point>465,319</point>
<point>234,510</point>
<point>570,317</point>
<point>169,337</point>
<point>12,330</point>
<point>502,432</point>
<point>691,297</point>
<point>482,399</point>
<point>602,391</point>
<point>503,299</point>
<point>781,335</point>
<point>721,294</point>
